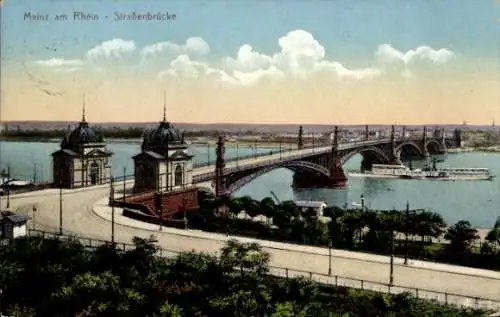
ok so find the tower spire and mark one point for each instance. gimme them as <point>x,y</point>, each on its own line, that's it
<point>164,107</point>
<point>83,108</point>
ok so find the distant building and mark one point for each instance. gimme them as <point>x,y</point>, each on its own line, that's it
<point>12,225</point>
<point>311,208</point>
<point>83,159</point>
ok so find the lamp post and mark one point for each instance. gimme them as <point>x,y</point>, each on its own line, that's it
<point>60,209</point>
<point>406,234</point>
<point>34,174</point>
<point>185,215</point>
<point>124,183</point>
<point>330,257</point>
<point>391,272</point>
<point>237,152</point>
<point>111,202</point>
<point>34,217</point>
<point>208,152</point>
<point>280,148</point>
<point>255,149</point>
<point>7,188</point>
<point>8,197</point>
<point>159,207</point>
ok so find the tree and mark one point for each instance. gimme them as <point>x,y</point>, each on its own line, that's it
<point>68,280</point>
<point>267,207</point>
<point>90,294</point>
<point>493,235</point>
<point>429,224</point>
<point>168,310</point>
<point>461,235</point>
<point>351,228</point>
<point>287,309</point>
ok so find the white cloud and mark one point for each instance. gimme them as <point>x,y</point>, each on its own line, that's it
<point>184,67</point>
<point>300,55</point>
<point>343,72</point>
<point>68,70</point>
<point>250,78</point>
<point>59,62</point>
<point>387,53</point>
<point>193,45</point>
<point>112,48</point>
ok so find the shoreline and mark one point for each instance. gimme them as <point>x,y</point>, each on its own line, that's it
<point>247,141</point>
<point>200,141</point>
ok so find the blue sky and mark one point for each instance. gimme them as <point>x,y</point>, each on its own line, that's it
<point>347,29</point>
<point>356,61</point>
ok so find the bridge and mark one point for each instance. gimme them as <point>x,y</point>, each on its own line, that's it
<point>317,166</point>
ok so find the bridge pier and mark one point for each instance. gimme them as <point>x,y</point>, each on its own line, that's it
<point>337,175</point>
<point>424,144</point>
<point>395,160</point>
<point>300,142</point>
<point>220,181</point>
<point>336,179</point>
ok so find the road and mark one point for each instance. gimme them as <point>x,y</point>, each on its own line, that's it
<point>79,218</point>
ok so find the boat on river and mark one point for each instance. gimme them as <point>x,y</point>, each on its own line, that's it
<point>404,172</point>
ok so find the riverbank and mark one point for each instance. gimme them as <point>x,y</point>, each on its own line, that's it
<point>245,142</point>
<point>491,149</point>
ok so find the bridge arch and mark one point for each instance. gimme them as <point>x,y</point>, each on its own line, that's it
<point>409,147</point>
<point>435,147</point>
<point>373,153</point>
<point>292,165</point>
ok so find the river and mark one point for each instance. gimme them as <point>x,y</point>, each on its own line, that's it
<point>476,201</point>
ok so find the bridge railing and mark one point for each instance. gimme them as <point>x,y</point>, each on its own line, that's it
<point>458,300</point>
<point>252,155</point>
<point>245,166</point>
<point>342,145</point>
<point>300,154</point>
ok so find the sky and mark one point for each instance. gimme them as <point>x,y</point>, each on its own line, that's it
<point>252,61</point>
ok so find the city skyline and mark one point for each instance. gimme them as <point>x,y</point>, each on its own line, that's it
<point>333,62</point>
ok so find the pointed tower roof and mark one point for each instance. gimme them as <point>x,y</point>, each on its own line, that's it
<point>82,133</point>
<point>164,135</point>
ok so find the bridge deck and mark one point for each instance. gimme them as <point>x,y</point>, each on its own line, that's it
<point>203,174</point>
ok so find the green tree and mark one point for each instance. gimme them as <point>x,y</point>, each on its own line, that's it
<point>168,310</point>
<point>461,235</point>
<point>493,235</point>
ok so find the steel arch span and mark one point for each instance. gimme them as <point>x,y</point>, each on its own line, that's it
<point>434,146</point>
<point>379,154</point>
<point>292,165</point>
<point>411,144</point>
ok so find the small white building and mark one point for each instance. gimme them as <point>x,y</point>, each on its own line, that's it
<point>12,225</point>
<point>309,206</point>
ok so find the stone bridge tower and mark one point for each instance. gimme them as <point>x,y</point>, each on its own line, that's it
<point>424,143</point>
<point>220,182</point>
<point>337,175</point>
<point>393,155</point>
<point>457,138</point>
<point>439,135</point>
<point>300,143</point>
